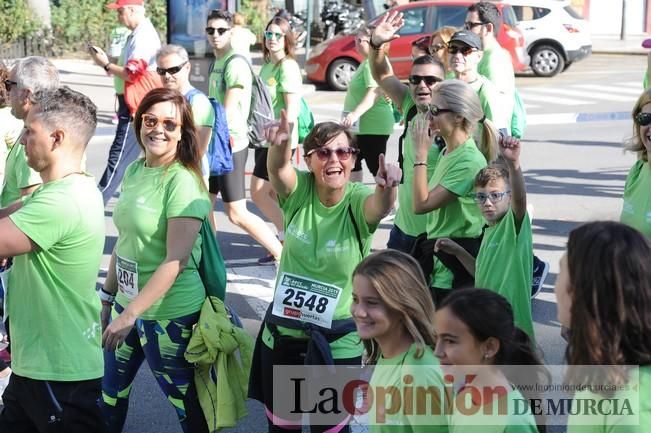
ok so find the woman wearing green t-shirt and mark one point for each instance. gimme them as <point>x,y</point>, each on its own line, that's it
<point>329,225</point>
<point>282,76</point>
<point>448,200</point>
<point>480,349</point>
<point>367,112</point>
<point>603,292</point>
<point>153,271</point>
<point>636,211</point>
<point>393,311</point>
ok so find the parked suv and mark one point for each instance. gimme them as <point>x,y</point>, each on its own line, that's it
<point>555,34</point>
<point>335,60</point>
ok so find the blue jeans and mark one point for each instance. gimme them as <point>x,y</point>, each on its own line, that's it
<point>399,240</point>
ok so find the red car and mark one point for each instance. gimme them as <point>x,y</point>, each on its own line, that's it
<point>334,61</point>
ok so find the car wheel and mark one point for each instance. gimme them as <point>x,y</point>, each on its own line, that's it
<point>340,72</point>
<point>546,61</point>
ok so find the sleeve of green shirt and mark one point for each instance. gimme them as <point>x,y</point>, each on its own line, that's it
<point>202,111</point>
<point>238,74</point>
<point>293,201</point>
<point>46,217</point>
<point>369,82</point>
<point>460,179</point>
<point>358,197</point>
<point>290,79</point>
<point>185,198</point>
<point>492,102</point>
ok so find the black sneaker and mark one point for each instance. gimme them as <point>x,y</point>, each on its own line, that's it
<point>268,260</point>
<point>540,271</point>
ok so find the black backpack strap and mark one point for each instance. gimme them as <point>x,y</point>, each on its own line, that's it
<point>401,159</point>
<point>357,234</point>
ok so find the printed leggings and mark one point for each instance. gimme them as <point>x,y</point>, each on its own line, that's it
<point>162,343</point>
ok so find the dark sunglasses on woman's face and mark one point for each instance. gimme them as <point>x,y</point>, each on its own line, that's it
<point>151,121</point>
<point>220,30</point>
<point>173,70</point>
<point>643,119</point>
<point>435,111</point>
<point>9,84</point>
<point>343,153</point>
<point>430,80</point>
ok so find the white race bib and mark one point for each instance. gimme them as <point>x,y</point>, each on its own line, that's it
<point>127,274</point>
<point>305,299</point>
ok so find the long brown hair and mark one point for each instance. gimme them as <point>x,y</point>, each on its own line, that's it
<point>400,282</point>
<point>290,39</point>
<point>610,288</point>
<point>187,149</point>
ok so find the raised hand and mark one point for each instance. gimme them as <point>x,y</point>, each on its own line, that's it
<point>447,245</point>
<point>387,27</point>
<point>421,135</point>
<point>388,175</point>
<point>279,132</point>
<point>510,149</point>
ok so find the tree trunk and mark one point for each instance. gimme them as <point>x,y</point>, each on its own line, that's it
<point>41,10</point>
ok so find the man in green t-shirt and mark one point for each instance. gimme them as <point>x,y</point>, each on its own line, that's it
<point>410,98</point>
<point>231,85</point>
<point>56,237</point>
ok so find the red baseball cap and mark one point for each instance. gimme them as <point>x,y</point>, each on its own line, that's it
<point>122,3</point>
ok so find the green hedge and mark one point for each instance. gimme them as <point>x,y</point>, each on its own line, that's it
<point>12,12</point>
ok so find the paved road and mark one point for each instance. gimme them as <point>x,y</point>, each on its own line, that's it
<point>574,168</point>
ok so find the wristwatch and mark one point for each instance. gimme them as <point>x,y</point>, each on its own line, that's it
<point>106,66</point>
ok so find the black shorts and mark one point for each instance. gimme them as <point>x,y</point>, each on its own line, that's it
<point>231,185</point>
<point>260,168</point>
<point>370,148</point>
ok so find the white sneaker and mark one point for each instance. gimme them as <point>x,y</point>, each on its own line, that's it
<point>4,382</point>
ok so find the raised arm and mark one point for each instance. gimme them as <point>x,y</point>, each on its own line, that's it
<point>378,61</point>
<point>510,151</point>
<point>379,204</point>
<point>424,199</point>
<point>279,159</point>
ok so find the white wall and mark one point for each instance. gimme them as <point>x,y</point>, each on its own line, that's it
<point>606,16</point>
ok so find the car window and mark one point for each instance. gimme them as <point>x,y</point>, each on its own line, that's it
<point>453,16</point>
<point>414,21</point>
<point>528,13</point>
<point>574,14</point>
<point>510,16</point>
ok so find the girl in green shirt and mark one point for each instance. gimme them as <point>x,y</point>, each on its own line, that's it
<point>476,340</point>
<point>393,312</point>
<point>603,291</point>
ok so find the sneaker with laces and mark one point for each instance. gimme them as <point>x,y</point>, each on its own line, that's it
<point>540,271</point>
<point>267,260</point>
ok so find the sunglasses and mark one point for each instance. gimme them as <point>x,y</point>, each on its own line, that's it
<point>469,25</point>
<point>435,111</point>
<point>343,153</point>
<point>430,80</point>
<point>436,48</point>
<point>220,30</point>
<point>150,121</point>
<point>643,119</point>
<point>173,70</point>
<point>494,197</point>
<point>273,35</point>
<point>9,84</point>
<point>454,49</point>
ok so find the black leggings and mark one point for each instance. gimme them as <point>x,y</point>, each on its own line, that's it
<point>370,148</point>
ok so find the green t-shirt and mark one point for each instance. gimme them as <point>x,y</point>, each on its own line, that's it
<point>377,120</point>
<point>406,220</point>
<point>636,211</point>
<point>321,245</point>
<point>620,420</point>
<point>497,107</point>
<point>202,111</point>
<point>426,373</point>
<point>280,79</point>
<point>504,265</point>
<point>238,75</point>
<point>54,309</point>
<point>18,175</point>
<point>461,218</point>
<point>518,418</point>
<point>496,65</point>
<point>149,198</point>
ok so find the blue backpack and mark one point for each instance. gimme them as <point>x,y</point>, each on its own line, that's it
<point>219,153</point>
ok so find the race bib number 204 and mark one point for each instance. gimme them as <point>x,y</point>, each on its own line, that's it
<point>304,299</point>
<point>127,275</point>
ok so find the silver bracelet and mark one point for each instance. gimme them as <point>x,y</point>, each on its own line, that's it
<point>105,296</point>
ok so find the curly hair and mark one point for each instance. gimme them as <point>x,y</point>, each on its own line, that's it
<point>610,289</point>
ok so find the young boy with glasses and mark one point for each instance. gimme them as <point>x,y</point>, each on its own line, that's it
<point>504,262</point>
